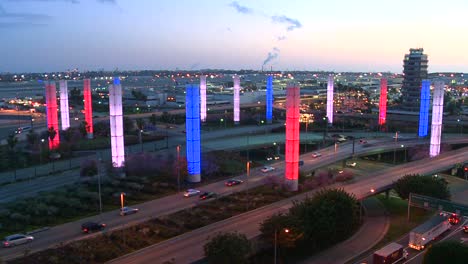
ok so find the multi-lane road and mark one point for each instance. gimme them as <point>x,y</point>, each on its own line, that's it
<point>172,203</point>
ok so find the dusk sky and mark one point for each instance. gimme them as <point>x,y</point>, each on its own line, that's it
<point>336,35</point>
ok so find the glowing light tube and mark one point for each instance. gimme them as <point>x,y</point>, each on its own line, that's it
<point>269,99</point>
<point>330,99</point>
<point>203,98</point>
<point>437,112</point>
<point>424,108</point>
<point>116,124</point>
<point>88,107</point>
<point>64,109</point>
<point>192,128</point>
<point>52,116</point>
<point>236,99</point>
<point>292,136</point>
<point>383,102</point>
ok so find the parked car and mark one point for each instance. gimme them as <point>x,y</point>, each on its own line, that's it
<point>191,192</point>
<point>267,169</point>
<point>454,219</point>
<point>207,195</point>
<point>16,239</point>
<point>128,210</point>
<point>233,182</point>
<point>316,155</point>
<point>89,227</point>
<point>465,229</point>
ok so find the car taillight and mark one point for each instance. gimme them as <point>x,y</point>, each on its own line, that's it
<point>85,230</point>
<point>103,225</point>
<point>6,244</point>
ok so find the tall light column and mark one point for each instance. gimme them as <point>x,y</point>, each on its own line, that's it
<point>269,99</point>
<point>88,107</point>
<point>437,113</point>
<point>383,102</point>
<point>52,116</point>
<point>116,123</point>
<point>203,98</point>
<point>192,128</point>
<point>292,136</point>
<point>424,108</point>
<point>64,109</point>
<point>330,99</point>
<point>236,99</point>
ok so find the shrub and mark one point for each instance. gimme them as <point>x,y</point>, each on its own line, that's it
<point>228,248</point>
<point>88,168</point>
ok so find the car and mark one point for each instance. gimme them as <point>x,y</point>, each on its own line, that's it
<point>191,192</point>
<point>276,157</point>
<point>454,219</point>
<point>465,229</point>
<point>267,169</point>
<point>351,164</point>
<point>207,195</point>
<point>16,239</point>
<point>269,158</point>
<point>233,182</point>
<point>89,227</point>
<point>362,141</point>
<point>316,155</point>
<point>128,210</point>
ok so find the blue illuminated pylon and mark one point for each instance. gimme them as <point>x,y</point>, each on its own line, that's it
<point>269,99</point>
<point>424,109</point>
<point>192,127</point>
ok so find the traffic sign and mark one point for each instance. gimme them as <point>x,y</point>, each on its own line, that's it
<point>427,202</point>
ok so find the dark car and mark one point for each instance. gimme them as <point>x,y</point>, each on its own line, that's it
<point>89,227</point>
<point>207,195</point>
<point>233,182</point>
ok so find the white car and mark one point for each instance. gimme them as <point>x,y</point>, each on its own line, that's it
<point>267,169</point>
<point>316,155</point>
<point>128,211</point>
<point>191,192</point>
<point>351,164</point>
<point>17,239</point>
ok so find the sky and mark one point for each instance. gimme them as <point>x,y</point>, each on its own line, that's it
<point>331,35</point>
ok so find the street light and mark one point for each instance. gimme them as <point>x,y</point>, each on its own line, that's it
<point>40,151</point>
<point>286,230</point>
<point>178,168</point>
<point>122,197</point>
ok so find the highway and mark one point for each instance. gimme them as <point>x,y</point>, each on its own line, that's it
<point>188,247</point>
<point>166,205</point>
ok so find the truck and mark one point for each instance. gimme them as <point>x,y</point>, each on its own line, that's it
<point>430,230</point>
<point>391,253</point>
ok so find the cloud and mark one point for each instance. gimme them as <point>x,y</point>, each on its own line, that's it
<point>290,22</point>
<point>271,56</point>
<point>68,1</point>
<point>280,38</point>
<point>8,19</point>
<point>241,9</point>
<point>108,1</point>
<point>229,29</point>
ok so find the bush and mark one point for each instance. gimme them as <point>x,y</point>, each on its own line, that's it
<point>228,248</point>
<point>425,185</point>
<point>451,252</point>
<point>88,168</point>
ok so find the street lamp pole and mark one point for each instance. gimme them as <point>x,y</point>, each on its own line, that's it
<point>276,242</point>
<point>178,168</point>
<point>99,183</point>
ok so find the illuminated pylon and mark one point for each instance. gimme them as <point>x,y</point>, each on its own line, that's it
<point>88,107</point>
<point>292,136</point>
<point>203,98</point>
<point>330,99</point>
<point>437,113</point>
<point>269,99</point>
<point>64,109</point>
<point>192,128</point>
<point>116,124</point>
<point>424,108</point>
<point>383,103</point>
<point>52,116</point>
<point>236,99</point>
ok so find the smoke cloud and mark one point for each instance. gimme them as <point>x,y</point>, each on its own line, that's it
<point>290,22</point>
<point>241,9</point>
<point>271,56</point>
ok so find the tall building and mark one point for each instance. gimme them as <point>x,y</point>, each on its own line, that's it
<point>414,70</point>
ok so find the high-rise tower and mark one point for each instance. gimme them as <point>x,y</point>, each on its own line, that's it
<point>414,70</point>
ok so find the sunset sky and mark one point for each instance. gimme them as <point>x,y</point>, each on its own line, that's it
<point>338,35</point>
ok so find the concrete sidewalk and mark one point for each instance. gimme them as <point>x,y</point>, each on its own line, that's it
<point>373,229</point>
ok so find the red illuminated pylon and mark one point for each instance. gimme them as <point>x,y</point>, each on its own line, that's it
<point>292,136</point>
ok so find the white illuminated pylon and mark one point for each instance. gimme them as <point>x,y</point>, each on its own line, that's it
<point>116,124</point>
<point>236,99</point>
<point>64,109</point>
<point>437,113</point>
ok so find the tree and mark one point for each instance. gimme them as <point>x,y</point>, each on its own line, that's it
<point>153,119</point>
<point>425,185</point>
<point>140,122</point>
<point>228,248</point>
<point>128,125</point>
<point>51,133</point>
<point>32,138</point>
<point>451,252</point>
